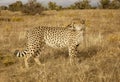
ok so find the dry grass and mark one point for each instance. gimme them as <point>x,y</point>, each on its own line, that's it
<point>99,61</point>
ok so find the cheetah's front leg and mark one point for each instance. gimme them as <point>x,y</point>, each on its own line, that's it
<point>72,54</point>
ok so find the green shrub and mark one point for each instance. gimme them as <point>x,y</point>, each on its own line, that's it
<point>3,7</point>
<point>54,6</point>
<point>17,6</point>
<point>81,5</point>
<point>32,9</point>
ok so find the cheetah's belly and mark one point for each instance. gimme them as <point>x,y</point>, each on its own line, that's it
<point>56,38</point>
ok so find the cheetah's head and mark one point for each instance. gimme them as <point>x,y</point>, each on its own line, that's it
<point>77,26</point>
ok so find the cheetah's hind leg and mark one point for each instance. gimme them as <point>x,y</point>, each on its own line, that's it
<point>26,61</point>
<point>36,58</point>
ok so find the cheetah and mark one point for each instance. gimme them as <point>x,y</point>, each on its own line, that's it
<point>55,37</point>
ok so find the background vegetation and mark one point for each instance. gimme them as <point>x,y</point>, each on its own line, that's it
<point>33,7</point>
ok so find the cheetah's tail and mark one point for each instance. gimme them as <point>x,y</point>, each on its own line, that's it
<point>20,53</point>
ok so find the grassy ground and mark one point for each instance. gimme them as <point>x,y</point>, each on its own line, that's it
<point>99,61</point>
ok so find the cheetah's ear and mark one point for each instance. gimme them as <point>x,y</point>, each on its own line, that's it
<point>71,26</point>
<point>82,21</point>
